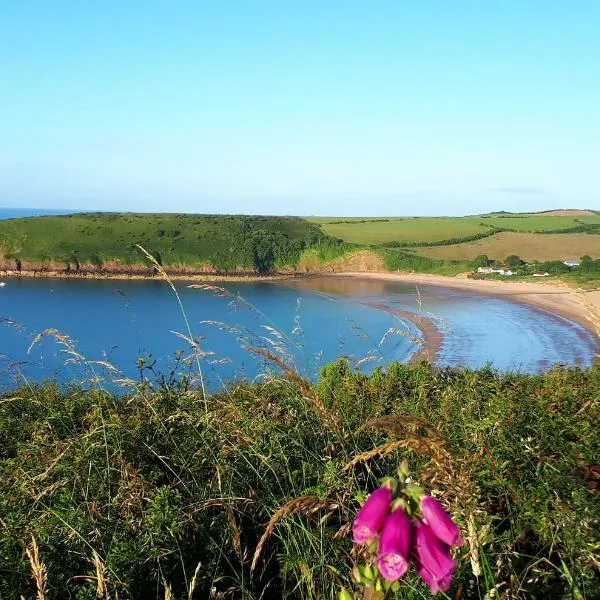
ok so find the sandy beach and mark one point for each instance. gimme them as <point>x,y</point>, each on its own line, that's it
<point>580,306</point>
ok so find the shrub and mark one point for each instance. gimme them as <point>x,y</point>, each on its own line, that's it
<point>156,490</point>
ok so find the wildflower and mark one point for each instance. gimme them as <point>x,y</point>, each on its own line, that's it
<point>372,515</point>
<point>440,522</point>
<point>433,562</point>
<point>394,545</point>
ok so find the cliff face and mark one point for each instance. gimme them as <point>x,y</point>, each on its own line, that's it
<point>113,268</point>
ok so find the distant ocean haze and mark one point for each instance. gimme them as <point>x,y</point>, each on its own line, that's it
<point>15,213</point>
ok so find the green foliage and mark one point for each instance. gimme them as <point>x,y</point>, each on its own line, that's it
<point>226,243</point>
<point>161,484</point>
<point>554,267</point>
<point>589,265</point>
<point>481,261</point>
<point>398,260</point>
<point>513,260</point>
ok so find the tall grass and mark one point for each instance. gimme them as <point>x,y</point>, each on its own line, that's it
<point>150,492</point>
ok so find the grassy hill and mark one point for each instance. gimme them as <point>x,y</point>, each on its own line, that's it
<point>185,244</point>
<point>221,243</point>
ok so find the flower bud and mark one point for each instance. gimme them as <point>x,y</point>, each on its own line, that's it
<point>394,546</point>
<point>372,515</point>
<point>440,522</point>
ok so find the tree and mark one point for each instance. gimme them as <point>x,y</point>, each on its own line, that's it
<point>481,261</point>
<point>514,261</point>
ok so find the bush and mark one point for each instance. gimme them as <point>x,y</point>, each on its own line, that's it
<point>154,490</point>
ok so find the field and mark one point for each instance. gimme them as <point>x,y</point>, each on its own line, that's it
<point>541,222</point>
<point>414,229</point>
<point>529,246</point>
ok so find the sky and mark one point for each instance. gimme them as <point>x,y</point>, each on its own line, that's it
<point>428,107</point>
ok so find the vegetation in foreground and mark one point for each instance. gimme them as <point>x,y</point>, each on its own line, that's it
<point>250,493</point>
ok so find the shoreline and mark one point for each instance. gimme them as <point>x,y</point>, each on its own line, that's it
<point>432,336</point>
<point>580,306</point>
<point>194,276</point>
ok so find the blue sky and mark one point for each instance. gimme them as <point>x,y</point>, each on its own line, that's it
<point>335,108</point>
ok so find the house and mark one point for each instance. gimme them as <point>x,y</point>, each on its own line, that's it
<point>541,274</point>
<point>485,270</point>
<point>571,263</point>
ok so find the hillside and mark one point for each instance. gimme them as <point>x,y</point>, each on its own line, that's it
<point>179,242</point>
<point>106,243</point>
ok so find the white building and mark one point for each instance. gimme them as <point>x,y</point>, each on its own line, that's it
<point>571,263</point>
<point>490,271</point>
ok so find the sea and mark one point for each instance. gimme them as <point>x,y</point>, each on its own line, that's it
<point>15,213</point>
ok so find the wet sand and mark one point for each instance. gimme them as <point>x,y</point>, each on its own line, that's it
<point>432,336</point>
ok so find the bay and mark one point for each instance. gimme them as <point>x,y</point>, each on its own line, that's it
<point>98,330</point>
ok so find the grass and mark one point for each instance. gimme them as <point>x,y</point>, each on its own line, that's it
<point>411,229</point>
<point>529,246</point>
<point>159,495</point>
<point>541,223</point>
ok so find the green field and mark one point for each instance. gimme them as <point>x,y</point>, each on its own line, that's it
<point>427,230</point>
<point>410,230</point>
<point>541,223</point>
<point>260,244</point>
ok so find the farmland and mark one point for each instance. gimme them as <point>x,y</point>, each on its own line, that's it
<point>529,246</point>
<point>432,230</point>
<point>541,222</point>
<point>409,230</point>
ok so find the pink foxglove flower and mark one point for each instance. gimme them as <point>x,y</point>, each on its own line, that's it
<point>394,545</point>
<point>372,515</point>
<point>440,522</point>
<point>434,565</point>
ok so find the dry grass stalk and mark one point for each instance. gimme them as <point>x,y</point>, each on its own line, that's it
<point>38,569</point>
<point>101,577</point>
<point>165,276</point>
<point>381,451</point>
<point>235,529</point>
<point>302,503</point>
<point>194,581</point>
<point>168,592</point>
